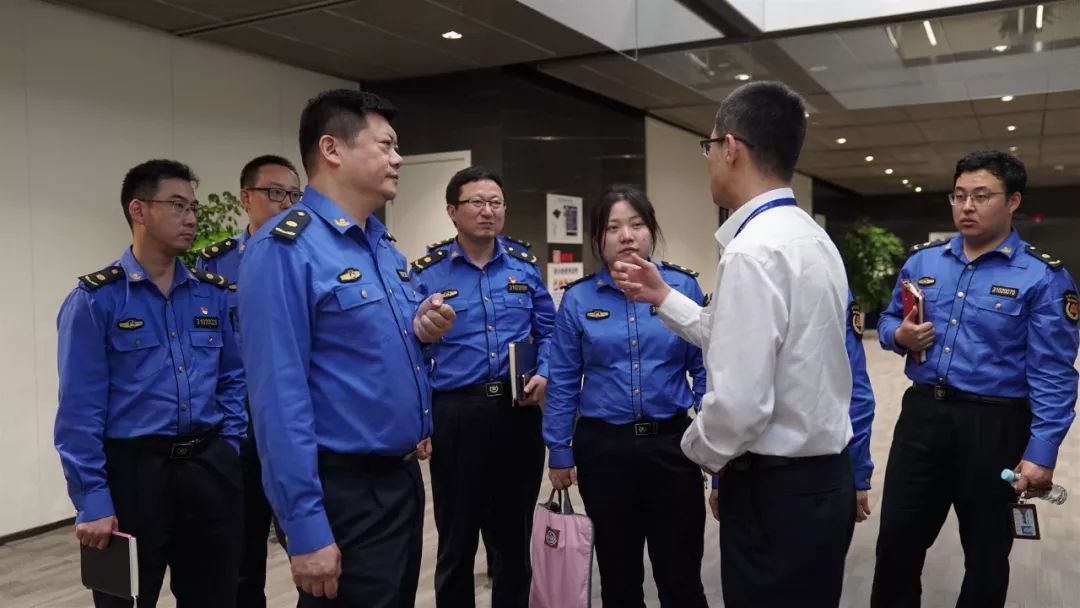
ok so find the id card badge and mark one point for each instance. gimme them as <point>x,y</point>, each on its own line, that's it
<point>1025,521</point>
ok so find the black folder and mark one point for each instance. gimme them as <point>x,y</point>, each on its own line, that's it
<point>522,367</point>
<point>113,570</point>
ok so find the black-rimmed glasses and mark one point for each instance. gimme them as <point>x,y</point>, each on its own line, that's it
<point>706,144</point>
<point>278,195</point>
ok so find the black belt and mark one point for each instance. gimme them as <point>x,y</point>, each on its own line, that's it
<point>944,392</point>
<point>367,463</point>
<point>491,390</point>
<point>641,428</point>
<point>749,460</point>
<point>176,448</point>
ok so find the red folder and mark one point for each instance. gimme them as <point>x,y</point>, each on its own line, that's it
<point>912,297</point>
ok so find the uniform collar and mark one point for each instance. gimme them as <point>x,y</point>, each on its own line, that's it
<point>1008,248</point>
<point>727,230</point>
<point>455,250</point>
<point>603,277</point>
<point>136,273</point>
<point>324,207</point>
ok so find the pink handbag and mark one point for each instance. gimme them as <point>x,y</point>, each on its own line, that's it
<point>562,554</point>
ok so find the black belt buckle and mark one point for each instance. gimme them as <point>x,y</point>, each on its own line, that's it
<point>646,429</point>
<point>941,392</point>
<point>183,450</point>
<point>494,389</point>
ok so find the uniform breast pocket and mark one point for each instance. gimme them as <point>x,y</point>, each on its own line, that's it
<point>999,318</point>
<point>136,355</point>
<point>357,309</point>
<point>205,349</point>
<point>519,306</point>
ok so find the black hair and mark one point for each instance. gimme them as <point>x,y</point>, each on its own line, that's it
<point>638,201</point>
<point>468,175</point>
<point>250,173</point>
<point>770,116</point>
<point>142,181</point>
<point>1004,166</point>
<point>339,113</point>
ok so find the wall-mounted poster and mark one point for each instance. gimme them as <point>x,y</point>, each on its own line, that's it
<point>564,220</point>
<point>560,275</point>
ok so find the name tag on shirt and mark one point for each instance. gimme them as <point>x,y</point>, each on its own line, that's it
<point>207,323</point>
<point>517,288</point>
<point>1008,292</point>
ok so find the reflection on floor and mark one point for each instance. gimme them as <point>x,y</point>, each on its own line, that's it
<point>43,571</point>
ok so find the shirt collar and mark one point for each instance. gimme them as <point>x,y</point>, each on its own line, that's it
<point>324,207</point>
<point>731,225</point>
<point>1009,247</point>
<point>136,273</point>
<point>455,250</point>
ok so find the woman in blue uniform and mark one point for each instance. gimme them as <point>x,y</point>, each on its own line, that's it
<point>616,365</point>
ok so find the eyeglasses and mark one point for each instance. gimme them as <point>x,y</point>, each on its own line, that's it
<point>707,143</point>
<point>479,203</point>
<point>179,207</point>
<point>278,195</point>
<point>979,198</point>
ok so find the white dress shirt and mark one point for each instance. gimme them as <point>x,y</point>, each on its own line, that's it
<point>773,338</point>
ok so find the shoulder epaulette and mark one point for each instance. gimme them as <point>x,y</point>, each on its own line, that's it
<point>928,244</point>
<point>102,277</point>
<point>216,249</point>
<point>581,280</point>
<point>391,238</point>
<point>523,243</point>
<point>441,243</point>
<point>523,254</point>
<point>217,280</point>
<point>681,269</point>
<point>1044,257</point>
<point>293,224</point>
<point>429,260</point>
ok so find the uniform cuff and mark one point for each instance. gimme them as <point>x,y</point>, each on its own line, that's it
<point>308,534</point>
<point>887,337</point>
<point>95,505</point>
<point>1042,453</point>
<point>561,457</point>
<point>862,478</point>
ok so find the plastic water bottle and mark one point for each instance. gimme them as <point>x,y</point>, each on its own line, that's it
<point>1055,494</point>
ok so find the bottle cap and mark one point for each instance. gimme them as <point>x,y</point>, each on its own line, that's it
<point>1009,475</point>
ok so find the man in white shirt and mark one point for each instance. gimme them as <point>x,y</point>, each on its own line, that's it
<point>775,421</point>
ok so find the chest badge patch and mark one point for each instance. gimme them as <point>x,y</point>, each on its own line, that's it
<point>1008,292</point>
<point>204,310</point>
<point>597,314</point>
<point>207,323</point>
<point>349,275</point>
<point>449,294</point>
<point>130,324</point>
<point>517,288</point>
<point>1072,307</point>
<point>924,281</point>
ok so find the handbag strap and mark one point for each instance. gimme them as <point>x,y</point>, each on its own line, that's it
<point>567,507</point>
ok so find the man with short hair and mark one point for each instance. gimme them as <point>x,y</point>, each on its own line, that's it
<point>268,185</point>
<point>775,419</point>
<point>332,330</point>
<point>151,412</point>
<point>997,389</point>
<point>488,456</point>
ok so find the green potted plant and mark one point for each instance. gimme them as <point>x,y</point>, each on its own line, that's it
<point>217,220</point>
<point>872,256</point>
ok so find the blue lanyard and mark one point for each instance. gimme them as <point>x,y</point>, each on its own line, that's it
<point>780,202</point>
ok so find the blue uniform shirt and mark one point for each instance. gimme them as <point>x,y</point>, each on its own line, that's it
<point>133,363</point>
<point>326,312</point>
<point>1005,326</point>
<point>504,302</point>
<point>224,257</point>
<point>862,400</point>
<point>633,367</point>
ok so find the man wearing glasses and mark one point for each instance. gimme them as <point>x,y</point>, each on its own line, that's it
<point>269,185</point>
<point>487,452</point>
<point>151,412</point>
<point>997,389</point>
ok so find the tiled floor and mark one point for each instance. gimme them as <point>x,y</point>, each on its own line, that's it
<point>43,571</point>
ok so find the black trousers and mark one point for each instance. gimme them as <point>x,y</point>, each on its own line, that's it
<point>377,517</point>
<point>640,490</point>
<point>185,514</point>
<point>785,532</point>
<point>250,591</point>
<point>487,463</point>
<point>949,453</point>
